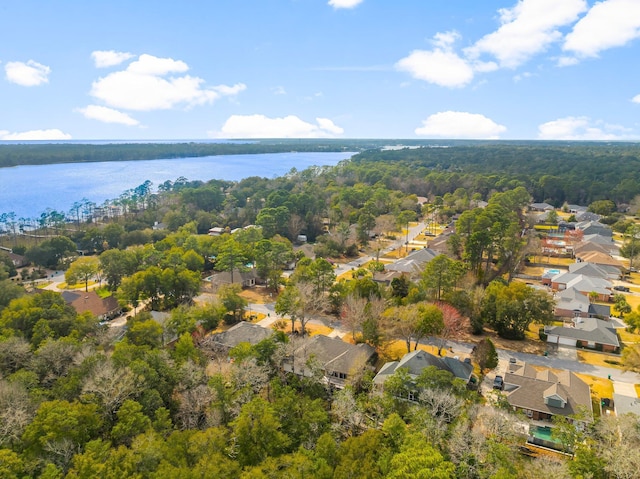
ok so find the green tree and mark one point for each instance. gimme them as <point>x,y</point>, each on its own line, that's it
<point>116,264</point>
<point>510,309</point>
<point>60,428</point>
<point>602,207</point>
<point>257,433</point>
<point>441,275</point>
<point>419,459</point>
<point>413,322</point>
<point>485,354</point>
<point>82,270</point>
<point>131,422</point>
<point>230,257</point>
<point>234,304</point>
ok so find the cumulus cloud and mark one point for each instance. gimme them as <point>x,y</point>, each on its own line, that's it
<point>109,58</point>
<point>260,126</point>
<point>344,3</point>
<point>107,115</point>
<point>580,128</point>
<point>527,29</point>
<point>636,99</point>
<point>441,66</point>
<point>459,124</point>
<point>610,23</point>
<point>146,84</point>
<point>52,134</point>
<point>27,74</point>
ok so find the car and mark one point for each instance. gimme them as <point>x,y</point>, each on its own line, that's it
<point>512,360</point>
<point>621,288</point>
<point>498,383</point>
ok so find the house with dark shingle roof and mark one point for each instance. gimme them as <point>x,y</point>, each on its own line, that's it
<point>416,361</point>
<point>413,263</point>
<point>541,394</point>
<point>243,332</point>
<point>541,207</point>
<point>591,333</point>
<point>336,359</point>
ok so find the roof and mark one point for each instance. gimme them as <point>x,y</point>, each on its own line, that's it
<point>588,284</point>
<point>541,206</point>
<point>599,259</point>
<point>333,354</point>
<point>588,216</point>
<point>243,332</point>
<point>89,301</point>
<point>588,329</point>
<point>527,387</point>
<point>588,269</point>
<point>418,360</point>
<point>239,277</point>
<point>573,300</point>
<point>414,262</point>
<point>594,227</point>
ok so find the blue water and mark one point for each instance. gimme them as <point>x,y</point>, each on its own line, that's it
<point>30,190</point>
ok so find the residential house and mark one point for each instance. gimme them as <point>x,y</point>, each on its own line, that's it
<point>102,308</point>
<point>216,231</point>
<point>591,270</point>
<point>246,279</point>
<point>583,284</point>
<point>594,227</point>
<point>576,209</point>
<point>605,261</point>
<point>416,361</point>
<point>336,359</point>
<point>541,394</point>
<point>605,241</point>
<point>541,207</point>
<point>18,260</point>
<point>571,303</point>
<point>587,216</point>
<point>243,332</point>
<point>591,333</point>
<point>414,263</point>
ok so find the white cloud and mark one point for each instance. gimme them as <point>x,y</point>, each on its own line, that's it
<point>527,29</point>
<point>610,23</point>
<point>636,99</point>
<point>440,66</point>
<point>109,58</point>
<point>107,115</point>
<point>580,128</point>
<point>279,90</point>
<point>260,126</point>
<point>344,3</point>
<point>459,124</point>
<point>52,134</point>
<point>144,85</point>
<point>27,74</point>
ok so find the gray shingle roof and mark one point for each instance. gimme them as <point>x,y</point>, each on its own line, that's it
<point>416,361</point>
<point>243,332</point>
<point>588,329</point>
<point>414,262</point>
<point>527,387</point>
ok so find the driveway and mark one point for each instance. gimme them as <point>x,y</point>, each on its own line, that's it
<point>626,389</point>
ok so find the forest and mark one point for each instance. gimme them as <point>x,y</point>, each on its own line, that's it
<point>81,399</point>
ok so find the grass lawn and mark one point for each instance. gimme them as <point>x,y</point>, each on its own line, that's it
<point>258,295</point>
<point>75,286</point>
<point>627,337</point>
<point>394,350</point>
<point>637,386</point>
<point>600,388</point>
<point>311,329</point>
<point>599,359</point>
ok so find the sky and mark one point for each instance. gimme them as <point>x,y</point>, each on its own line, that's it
<point>224,69</point>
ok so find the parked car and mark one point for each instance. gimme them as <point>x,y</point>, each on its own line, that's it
<point>498,383</point>
<point>621,288</point>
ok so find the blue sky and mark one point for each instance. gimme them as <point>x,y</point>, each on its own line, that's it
<point>508,69</point>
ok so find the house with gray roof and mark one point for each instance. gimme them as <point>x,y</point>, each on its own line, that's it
<point>541,393</point>
<point>591,333</point>
<point>591,270</point>
<point>606,242</point>
<point>541,207</point>
<point>594,227</point>
<point>336,359</point>
<point>571,303</point>
<point>416,361</point>
<point>587,216</point>
<point>414,262</point>
<point>243,332</point>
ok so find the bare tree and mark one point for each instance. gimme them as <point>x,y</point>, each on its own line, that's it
<point>16,412</point>
<point>354,313</point>
<point>111,385</point>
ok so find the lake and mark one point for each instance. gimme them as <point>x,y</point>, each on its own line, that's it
<point>30,190</point>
